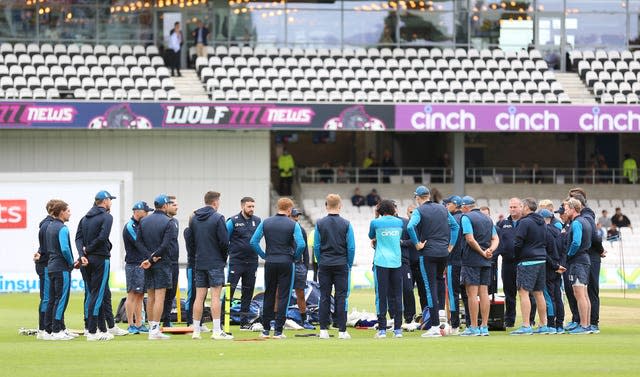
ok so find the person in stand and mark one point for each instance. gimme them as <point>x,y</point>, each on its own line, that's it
<point>175,47</point>
<point>357,199</point>
<point>373,198</point>
<point>174,256</point>
<point>620,220</point>
<point>286,167</point>
<point>200,35</point>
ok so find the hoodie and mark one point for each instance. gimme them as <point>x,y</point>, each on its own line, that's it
<point>506,231</point>
<point>530,242</point>
<point>210,238</point>
<point>553,255</point>
<point>42,238</point>
<point>154,237</point>
<point>92,237</point>
<point>596,240</point>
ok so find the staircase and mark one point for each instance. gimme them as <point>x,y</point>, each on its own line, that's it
<point>190,87</point>
<point>575,88</point>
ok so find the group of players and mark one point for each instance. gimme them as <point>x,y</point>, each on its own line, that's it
<point>454,244</point>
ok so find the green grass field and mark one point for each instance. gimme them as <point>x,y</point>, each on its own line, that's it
<point>613,352</point>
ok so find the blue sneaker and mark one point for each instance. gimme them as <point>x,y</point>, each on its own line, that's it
<point>542,330</point>
<point>397,333</point>
<point>595,329</point>
<point>580,331</point>
<point>471,331</point>
<point>143,329</point>
<point>380,334</point>
<point>552,331</point>
<point>133,330</point>
<point>560,330</point>
<point>522,330</point>
<point>571,326</point>
<point>484,331</point>
<point>308,326</point>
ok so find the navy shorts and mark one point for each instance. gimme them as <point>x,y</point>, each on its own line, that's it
<point>531,278</point>
<point>158,277</point>
<point>210,278</point>
<point>579,274</point>
<point>135,278</point>
<point>300,279</point>
<point>475,275</point>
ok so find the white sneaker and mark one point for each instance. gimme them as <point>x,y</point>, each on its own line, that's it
<point>433,332</point>
<point>257,327</point>
<point>86,332</point>
<point>99,336</point>
<point>290,324</point>
<point>204,328</point>
<point>46,336</point>
<point>344,335</point>
<point>279,336</point>
<point>221,336</point>
<point>107,335</point>
<point>116,331</point>
<point>71,334</point>
<point>411,326</point>
<point>455,331</point>
<point>60,335</point>
<point>41,335</point>
<point>324,334</point>
<point>196,335</point>
<point>157,335</point>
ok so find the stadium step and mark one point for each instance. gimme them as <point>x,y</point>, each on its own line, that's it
<point>190,87</point>
<point>575,88</point>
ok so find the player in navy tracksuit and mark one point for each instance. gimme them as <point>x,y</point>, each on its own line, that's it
<point>59,267</point>
<point>300,276</point>
<point>174,255</point>
<point>243,261</point>
<point>41,259</point>
<point>334,249</point>
<point>92,241</point>
<point>434,232</point>
<point>506,231</point>
<point>191,279</point>
<point>563,246</point>
<point>155,234</point>
<point>553,290</point>
<point>408,297</point>
<point>281,234</point>
<point>454,265</point>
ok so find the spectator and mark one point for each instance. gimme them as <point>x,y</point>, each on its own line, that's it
<point>388,164</point>
<point>536,174</point>
<point>286,166</point>
<point>613,234</point>
<point>357,199</point>
<point>604,221</point>
<point>368,173</point>
<point>200,39</point>
<point>325,173</point>
<point>620,220</point>
<point>342,175</point>
<point>369,161</point>
<point>630,168</point>
<point>175,46</point>
<point>373,198</point>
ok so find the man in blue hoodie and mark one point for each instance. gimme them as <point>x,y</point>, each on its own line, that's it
<point>284,244</point>
<point>154,239</point>
<point>530,253</point>
<point>41,258</point>
<point>174,255</point>
<point>454,266</point>
<point>434,232</point>
<point>553,289</point>
<point>92,241</point>
<point>334,247</point>
<point>211,241</point>
<point>300,276</point>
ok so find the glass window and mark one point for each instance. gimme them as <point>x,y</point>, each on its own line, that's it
<point>550,5</point>
<point>67,22</point>
<point>313,28</point>
<point>634,29</point>
<point>420,27</point>
<point>17,19</point>
<point>361,28</point>
<point>508,24</point>
<point>118,25</point>
<point>596,6</point>
<point>462,27</point>
<point>634,6</point>
<point>258,23</point>
<point>596,30</point>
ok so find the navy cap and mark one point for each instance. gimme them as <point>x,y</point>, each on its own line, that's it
<point>161,200</point>
<point>295,212</point>
<point>142,206</point>
<point>466,200</point>
<point>546,213</point>
<point>421,190</point>
<point>560,210</point>
<point>101,195</point>
<point>455,199</point>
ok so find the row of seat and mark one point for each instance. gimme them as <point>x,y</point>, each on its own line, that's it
<point>82,72</point>
<point>72,83</point>
<point>78,49</point>
<point>617,77</point>
<point>603,55</point>
<point>612,76</point>
<point>385,97</point>
<point>620,98</point>
<point>26,93</point>
<point>611,87</point>
<point>609,67</point>
<point>124,94</point>
<point>38,60</point>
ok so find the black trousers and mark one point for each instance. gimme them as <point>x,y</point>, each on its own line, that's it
<point>388,284</point>
<point>593,289</point>
<point>571,298</point>
<point>43,277</point>
<point>553,298</point>
<point>408,297</point>
<point>170,295</point>
<point>246,272</point>
<point>97,275</point>
<point>510,292</point>
<point>336,277</point>
<point>431,269</point>
<point>285,185</point>
<point>419,282</point>
<point>278,278</point>
<point>456,291</point>
<point>174,60</point>
<point>59,288</point>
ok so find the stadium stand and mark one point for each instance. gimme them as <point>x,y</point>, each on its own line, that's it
<point>378,75</point>
<point>84,72</point>
<point>612,76</point>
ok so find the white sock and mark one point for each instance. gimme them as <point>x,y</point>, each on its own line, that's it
<point>196,326</point>
<point>216,325</point>
<point>154,326</point>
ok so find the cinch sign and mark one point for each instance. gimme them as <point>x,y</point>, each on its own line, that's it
<point>13,213</point>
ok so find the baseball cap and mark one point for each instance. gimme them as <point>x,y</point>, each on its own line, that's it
<point>142,206</point>
<point>161,200</point>
<point>421,190</point>
<point>295,212</point>
<point>560,210</point>
<point>455,199</point>
<point>545,213</point>
<point>101,195</point>
<point>466,200</point>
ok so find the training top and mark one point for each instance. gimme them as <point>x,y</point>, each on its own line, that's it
<point>174,249</point>
<point>210,238</point>
<point>553,257</point>
<point>240,230</point>
<point>480,225</point>
<point>334,241</point>
<point>129,235</point>
<point>455,257</point>
<point>432,222</point>
<point>530,240</point>
<point>386,230</point>
<point>281,235</point>
<point>596,240</point>
<point>59,246</point>
<point>303,258</point>
<point>42,239</point>
<point>92,237</point>
<point>579,239</point>
<point>154,237</point>
<point>506,233</point>
<point>409,252</point>
<point>189,243</point>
